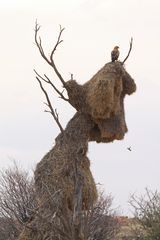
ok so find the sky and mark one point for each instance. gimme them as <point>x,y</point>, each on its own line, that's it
<point>92,29</point>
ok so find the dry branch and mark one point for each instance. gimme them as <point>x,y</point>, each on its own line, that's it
<point>130,48</point>
<point>57,43</point>
<point>50,61</point>
<point>49,105</point>
<point>47,80</point>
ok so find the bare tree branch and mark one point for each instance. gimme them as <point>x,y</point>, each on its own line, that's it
<point>59,41</point>
<point>39,43</point>
<point>52,111</point>
<point>130,48</point>
<point>50,61</point>
<point>47,80</point>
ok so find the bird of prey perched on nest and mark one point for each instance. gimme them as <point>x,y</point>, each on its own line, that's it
<point>115,54</point>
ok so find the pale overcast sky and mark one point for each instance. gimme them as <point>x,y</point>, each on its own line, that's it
<point>93,28</point>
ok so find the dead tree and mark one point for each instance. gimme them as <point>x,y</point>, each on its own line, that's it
<point>63,180</point>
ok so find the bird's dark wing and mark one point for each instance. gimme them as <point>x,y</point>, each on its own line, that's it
<point>114,55</point>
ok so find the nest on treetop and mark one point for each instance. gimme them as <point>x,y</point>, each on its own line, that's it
<point>102,98</point>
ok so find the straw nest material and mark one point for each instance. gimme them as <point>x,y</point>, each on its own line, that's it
<point>59,168</point>
<point>102,98</point>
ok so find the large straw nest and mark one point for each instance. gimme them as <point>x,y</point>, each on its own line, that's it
<point>61,167</point>
<point>102,98</point>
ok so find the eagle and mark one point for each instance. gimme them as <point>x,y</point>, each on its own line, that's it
<point>115,54</point>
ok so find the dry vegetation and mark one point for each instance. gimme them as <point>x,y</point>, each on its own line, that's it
<point>17,202</point>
